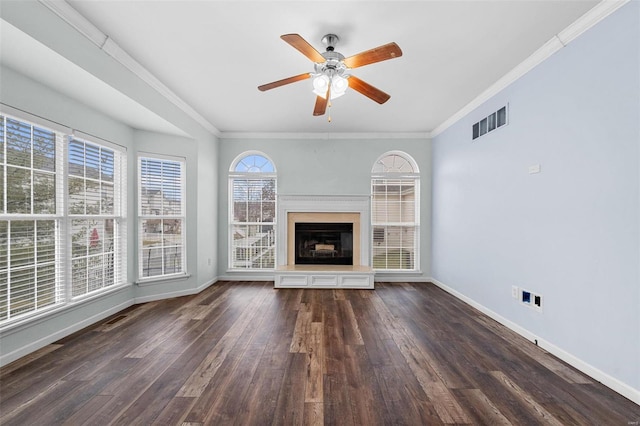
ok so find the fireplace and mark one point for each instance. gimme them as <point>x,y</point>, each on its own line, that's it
<point>323,243</point>
<point>294,210</point>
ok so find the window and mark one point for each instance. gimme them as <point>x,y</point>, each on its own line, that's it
<point>94,215</point>
<point>394,213</point>
<point>161,222</point>
<point>47,234</point>
<point>252,213</point>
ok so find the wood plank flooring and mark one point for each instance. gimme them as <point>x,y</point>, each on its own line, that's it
<point>247,354</point>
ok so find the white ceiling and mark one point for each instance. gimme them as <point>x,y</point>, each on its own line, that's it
<point>214,54</point>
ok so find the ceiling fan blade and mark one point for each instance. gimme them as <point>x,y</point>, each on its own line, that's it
<point>368,90</point>
<point>377,54</point>
<point>321,103</point>
<point>303,47</point>
<point>284,81</point>
<point>321,106</point>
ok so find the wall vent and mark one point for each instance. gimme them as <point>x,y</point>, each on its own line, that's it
<point>489,123</point>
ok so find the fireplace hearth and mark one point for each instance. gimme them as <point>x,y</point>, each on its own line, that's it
<point>323,243</point>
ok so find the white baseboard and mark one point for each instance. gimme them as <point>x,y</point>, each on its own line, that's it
<point>59,334</point>
<point>187,292</point>
<point>595,373</point>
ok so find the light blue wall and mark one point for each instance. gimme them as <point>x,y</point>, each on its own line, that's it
<point>569,233</point>
<point>327,167</point>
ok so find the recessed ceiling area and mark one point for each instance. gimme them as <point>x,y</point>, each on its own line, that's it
<point>214,54</point>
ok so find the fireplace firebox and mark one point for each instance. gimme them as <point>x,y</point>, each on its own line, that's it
<point>324,243</point>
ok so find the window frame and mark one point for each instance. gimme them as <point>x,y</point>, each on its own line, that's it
<point>232,223</point>
<point>389,175</point>
<point>183,273</point>
<point>61,218</point>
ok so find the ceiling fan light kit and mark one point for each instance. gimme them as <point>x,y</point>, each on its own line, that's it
<point>330,77</point>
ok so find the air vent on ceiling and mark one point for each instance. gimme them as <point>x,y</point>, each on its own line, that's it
<point>490,123</point>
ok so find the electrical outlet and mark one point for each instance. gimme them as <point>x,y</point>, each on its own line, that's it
<point>514,291</point>
<point>209,261</point>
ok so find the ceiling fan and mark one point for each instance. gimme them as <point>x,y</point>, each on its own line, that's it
<point>331,77</point>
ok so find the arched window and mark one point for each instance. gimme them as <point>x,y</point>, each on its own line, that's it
<point>252,212</point>
<point>395,216</point>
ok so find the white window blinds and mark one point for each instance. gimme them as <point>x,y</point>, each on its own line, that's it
<point>161,222</point>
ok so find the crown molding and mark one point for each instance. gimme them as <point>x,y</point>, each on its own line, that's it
<point>324,135</point>
<point>557,42</point>
<point>71,16</point>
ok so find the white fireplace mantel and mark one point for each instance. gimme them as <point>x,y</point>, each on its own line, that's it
<point>359,275</point>
<point>325,204</point>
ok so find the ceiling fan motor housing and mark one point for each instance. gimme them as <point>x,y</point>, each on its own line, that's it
<point>333,64</point>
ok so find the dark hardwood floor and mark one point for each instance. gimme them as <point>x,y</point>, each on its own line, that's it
<point>246,354</point>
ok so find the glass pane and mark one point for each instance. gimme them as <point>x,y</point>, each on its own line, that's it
<point>92,161</point>
<point>151,232</point>
<point>172,232</point>
<point>106,165</point>
<point>151,262</point>
<point>172,260</point>
<point>78,277</point>
<point>22,243</point>
<point>18,190</point>
<point>79,244</point>
<point>172,188</point>
<point>4,289</point>
<point>108,269</point>
<point>44,193</point>
<point>2,206</point>
<point>240,211</point>
<point>269,189</point>
<point>76,195</point>
<point>44,149</point>
<point>95,272</point>
<point>379,258</point>
<point>96,236</point>
<point>4,245</point>
<point>253,246</point>
<point>492,122</point>
<point>93,196</point>
<point>502,116</point>
<point>268,211</point>
<point>18,143</point>
<point>46,294</point>
<point>240,190</point>
<point>22,290</point>
<point>46,241</point>
<point>255,211</point>
<point>76,158</point>
<point>254,164</point>
<point>483,126</point>
<point>106,204</point>
<point>2,124</point>
<point>108,243</point>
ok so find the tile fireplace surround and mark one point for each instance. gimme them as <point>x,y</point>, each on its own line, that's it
<point>294,209</point>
